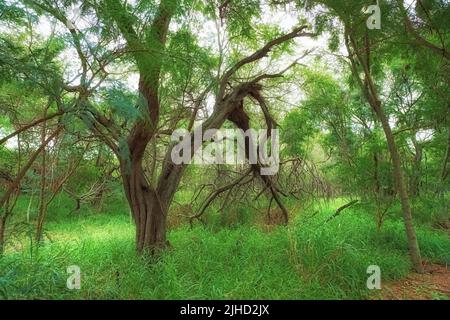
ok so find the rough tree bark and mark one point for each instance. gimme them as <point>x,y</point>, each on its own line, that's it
<point>148,212</point>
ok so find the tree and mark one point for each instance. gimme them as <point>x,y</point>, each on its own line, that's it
<point>148,123</point>
<point>366,51</point>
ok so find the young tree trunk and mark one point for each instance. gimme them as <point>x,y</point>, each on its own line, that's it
<point>369,89</point>
<point>413,245</point>
<point>445,171</point>
<point>2,234</point>
<point>42,202</point>
<point>414,183</point>
<point>376,177</point>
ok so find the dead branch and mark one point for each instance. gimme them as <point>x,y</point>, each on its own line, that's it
<point>340,209</point>
<point>217,192</point>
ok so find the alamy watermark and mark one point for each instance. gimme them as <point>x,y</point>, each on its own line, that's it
<point>374,280</point>
<point>228,146</point>
<point>74,279</point>
<point>374,20</point>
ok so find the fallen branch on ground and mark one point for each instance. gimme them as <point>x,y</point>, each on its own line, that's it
<point>340,209</point>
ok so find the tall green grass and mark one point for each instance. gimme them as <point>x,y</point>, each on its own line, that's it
<point>309,259</point>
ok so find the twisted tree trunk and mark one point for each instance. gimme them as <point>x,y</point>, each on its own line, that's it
<point>149,204</point>
<point>148,213</point>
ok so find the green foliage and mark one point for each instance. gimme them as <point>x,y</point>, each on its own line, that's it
<point>122,103</point>
<point>298,127</point>
<point>239,16</point>
<point>12,13</point>
<point>188,64</point>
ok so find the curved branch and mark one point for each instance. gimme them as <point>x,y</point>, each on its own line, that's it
<point>217,192</point>
<point>30,125</point>
<point>261,53</point>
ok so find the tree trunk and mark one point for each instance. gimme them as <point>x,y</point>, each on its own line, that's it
<point>149,205</point>
<point>445,171</point>
<point>403,194</point>
<point>369,89</point>
<point>414,183</point>
<point>2,234</point>
<point>42,202</point>
<point>148,214</point>
<point>376,177</point>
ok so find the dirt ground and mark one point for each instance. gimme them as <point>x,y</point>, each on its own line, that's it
<point>433,285</point>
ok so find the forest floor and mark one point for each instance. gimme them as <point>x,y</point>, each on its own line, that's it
<point>433,284</point>
<point>232,256</point>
